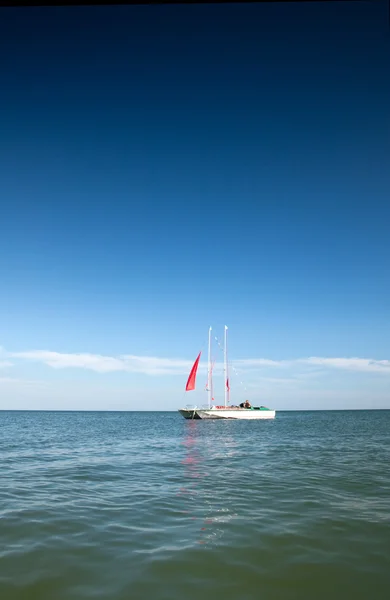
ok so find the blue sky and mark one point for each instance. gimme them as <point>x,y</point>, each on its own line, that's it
<point>167,168</point>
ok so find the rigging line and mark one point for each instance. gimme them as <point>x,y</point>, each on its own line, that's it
<point>231,365</point>
<point>211,372</point>
<point>236,372</point>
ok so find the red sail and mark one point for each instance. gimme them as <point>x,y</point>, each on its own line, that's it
<point>191,379</point>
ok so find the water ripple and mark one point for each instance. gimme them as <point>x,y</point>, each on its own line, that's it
<point>148,505</point>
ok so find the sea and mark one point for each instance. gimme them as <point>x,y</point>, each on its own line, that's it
<point>147,505</point>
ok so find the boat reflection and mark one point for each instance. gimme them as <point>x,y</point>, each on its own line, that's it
<point>203,489</point>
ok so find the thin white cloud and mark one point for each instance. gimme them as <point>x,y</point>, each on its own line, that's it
<point>147,365</point>
<point>4,364</point>
<point>260,362</point>
<point>279,380</point>
<point>23,382</point>
<point>150,365</point>
<point>58,360</point>
<point>366,365</point>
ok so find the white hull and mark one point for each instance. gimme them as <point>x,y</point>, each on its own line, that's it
<point>228,413</point>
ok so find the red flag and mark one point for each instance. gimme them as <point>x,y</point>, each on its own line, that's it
<point>192,377</point>
<point>227,384</point>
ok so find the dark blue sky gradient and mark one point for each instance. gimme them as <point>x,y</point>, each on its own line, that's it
<point>168,167</point>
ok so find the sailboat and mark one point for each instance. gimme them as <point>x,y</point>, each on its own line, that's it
<point>226,411</point>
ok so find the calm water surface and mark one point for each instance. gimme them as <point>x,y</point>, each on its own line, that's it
<point>148,505</point>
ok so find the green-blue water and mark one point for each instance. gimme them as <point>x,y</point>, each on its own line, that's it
<point>148,505</point>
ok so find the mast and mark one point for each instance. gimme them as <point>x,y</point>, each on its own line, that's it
<point>225,368</point>
<point>210,383</point>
